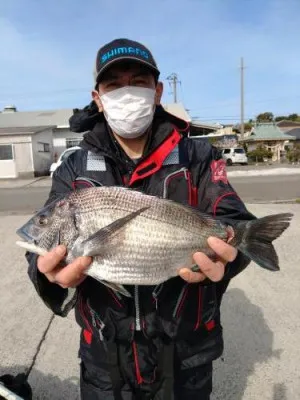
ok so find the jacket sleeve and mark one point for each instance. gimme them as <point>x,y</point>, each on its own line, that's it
<point>217,197</point>
<point>59,300</point>
<point>85,119</point>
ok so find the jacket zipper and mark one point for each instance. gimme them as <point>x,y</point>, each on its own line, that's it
<point>180,301</point>
<point>97,322</point>
<point>137,309</point>
<point>117,297</point>
<point>85,320</point>
<point>173,174</point>
<point>156,293</point>
<point>199,308</point>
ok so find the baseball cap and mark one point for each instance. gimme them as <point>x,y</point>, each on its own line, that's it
<point>123,49</point>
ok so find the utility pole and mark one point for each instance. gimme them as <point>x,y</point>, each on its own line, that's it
<point>242,99</point>
<point>173,79</point>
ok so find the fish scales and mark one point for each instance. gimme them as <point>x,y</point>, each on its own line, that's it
<point>155,244</point>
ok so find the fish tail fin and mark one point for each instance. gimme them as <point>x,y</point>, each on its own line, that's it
<point>254,238</point>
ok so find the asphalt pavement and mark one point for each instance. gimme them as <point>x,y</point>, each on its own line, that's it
<point>260,316</point>
<point>27,196</point>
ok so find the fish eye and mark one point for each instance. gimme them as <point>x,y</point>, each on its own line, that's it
<point>42,220</point>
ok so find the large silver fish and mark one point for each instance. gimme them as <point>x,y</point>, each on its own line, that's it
<point>139,239</point>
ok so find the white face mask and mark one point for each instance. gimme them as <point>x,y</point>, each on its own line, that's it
<point>129,110</point>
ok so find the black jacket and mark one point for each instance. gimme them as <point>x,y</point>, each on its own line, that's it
<point>141,333</point>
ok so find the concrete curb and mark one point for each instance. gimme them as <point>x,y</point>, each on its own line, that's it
<point>266,172</point>
<point>289,201</point>
<point>22,183</point>
<point>34,181</point>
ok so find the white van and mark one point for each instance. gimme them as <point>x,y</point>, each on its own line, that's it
<point>235,155</point>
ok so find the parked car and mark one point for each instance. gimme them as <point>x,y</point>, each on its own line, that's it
<point>65,154</point>
<point>235,155</point>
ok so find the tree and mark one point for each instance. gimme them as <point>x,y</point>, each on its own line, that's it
<point>260,153</point>
<point>293,154</point>
<point>265,117</point>
<point>281,118</point>
<point>248,126</point>
<point>213,141</point>
<point>293,117</point>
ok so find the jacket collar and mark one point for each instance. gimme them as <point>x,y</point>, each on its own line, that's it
<point>101,139</point>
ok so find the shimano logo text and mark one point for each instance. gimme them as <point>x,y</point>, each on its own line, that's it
<point>134,51</point>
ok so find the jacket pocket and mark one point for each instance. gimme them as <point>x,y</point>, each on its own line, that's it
<point>195,308</point>
<point>92,324</point>
<point>210,305</point>
<point>176,186</point>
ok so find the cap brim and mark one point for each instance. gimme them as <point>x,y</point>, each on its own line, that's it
<point>119,60</point>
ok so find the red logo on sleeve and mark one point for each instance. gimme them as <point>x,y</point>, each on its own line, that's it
<point>218,171</point>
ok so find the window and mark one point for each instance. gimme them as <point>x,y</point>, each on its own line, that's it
<point>6,152</point>
<point>73,142</point>
<point>239,151</point>
<point>43,147</point>
<point>226,151</point>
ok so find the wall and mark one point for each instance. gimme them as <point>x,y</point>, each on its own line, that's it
<point>60,137</point>
<point>227,130</point>
<point>42,160</point>
<point>22,165</point>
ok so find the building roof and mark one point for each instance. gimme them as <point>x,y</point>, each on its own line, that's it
<point>57,118</point>
<point>294,132</point>
<point>178,110</point>
<point>267,131</point>
<point>285,123</point>
<point>204,124</point>
<point>27,130</point>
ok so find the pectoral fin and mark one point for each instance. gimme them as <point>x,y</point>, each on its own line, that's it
<point>102,240</point>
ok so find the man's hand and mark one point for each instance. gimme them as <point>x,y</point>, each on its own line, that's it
<point>210,269</point>
<point>68,276</point>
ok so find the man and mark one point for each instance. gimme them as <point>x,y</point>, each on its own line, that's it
<point>160,343</point>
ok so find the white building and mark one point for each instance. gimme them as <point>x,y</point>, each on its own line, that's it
<point>25,152</point>
<point>30,140</point>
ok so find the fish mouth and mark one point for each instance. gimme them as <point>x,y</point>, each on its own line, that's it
<point>30,231</point>
<point>24,235</point>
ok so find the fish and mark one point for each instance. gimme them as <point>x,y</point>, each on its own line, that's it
<point>140,239</point>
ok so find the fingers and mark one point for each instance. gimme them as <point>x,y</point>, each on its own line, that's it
<point>211,270</point>
<point>51,260</point>
<point>190,276</point>
<point>73,274</point>
<point>67,276</point>
<point>224,250</point>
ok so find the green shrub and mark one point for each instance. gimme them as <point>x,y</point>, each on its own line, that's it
<point>293,155</point>
<point>259,154</point>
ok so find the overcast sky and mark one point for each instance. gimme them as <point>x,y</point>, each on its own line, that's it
<point>48,50</point>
